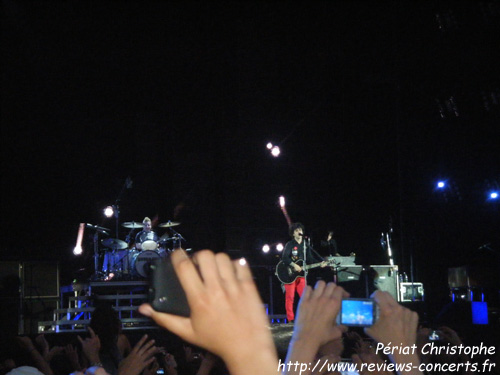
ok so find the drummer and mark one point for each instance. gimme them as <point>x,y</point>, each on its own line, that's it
<point>146,234</point>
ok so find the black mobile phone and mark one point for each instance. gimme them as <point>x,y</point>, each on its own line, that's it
<point>165,290</point>
<point>358,312</point>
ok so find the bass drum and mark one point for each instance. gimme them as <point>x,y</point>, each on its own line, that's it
<point>141,262</point>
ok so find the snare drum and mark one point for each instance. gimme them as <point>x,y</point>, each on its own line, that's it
<point>141,262</point>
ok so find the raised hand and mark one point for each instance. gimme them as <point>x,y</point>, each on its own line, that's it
<point>396,325</point>
<point>43,345</point>
<point>315,324</point>
<point>141,356</point>
<point>366,354</point>
<point>227,315</point>
<point>91,346</point>
<point>72,355</point>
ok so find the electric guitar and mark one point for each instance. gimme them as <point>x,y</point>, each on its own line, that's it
<point>287,274</point>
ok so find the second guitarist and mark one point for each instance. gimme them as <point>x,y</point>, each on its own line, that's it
<point>295,250</point>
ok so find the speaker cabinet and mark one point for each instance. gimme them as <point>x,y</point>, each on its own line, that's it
<point>386,279</point>
<point>40,279</point>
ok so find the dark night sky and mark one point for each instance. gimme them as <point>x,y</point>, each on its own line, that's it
<point>183,98</point>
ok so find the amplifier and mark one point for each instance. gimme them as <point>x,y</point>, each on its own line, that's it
<point>386,279</point>
<point>40,279</point>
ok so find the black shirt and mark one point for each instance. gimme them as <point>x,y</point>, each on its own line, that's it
<point>294,251</point>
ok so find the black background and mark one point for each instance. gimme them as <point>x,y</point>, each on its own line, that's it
<point>183,97</point>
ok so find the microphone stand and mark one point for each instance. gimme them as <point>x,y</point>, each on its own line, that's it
<point>305,259</point>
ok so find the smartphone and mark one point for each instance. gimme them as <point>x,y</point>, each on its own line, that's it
<point>435,335</point>
<point>165,291</point>
<point>358,312</point>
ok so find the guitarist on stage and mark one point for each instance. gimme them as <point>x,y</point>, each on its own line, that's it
<point>292,254</point>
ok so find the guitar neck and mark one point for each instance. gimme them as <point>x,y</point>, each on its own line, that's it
<point>309,266</point>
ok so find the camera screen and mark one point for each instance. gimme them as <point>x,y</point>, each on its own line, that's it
<point>357,312</point>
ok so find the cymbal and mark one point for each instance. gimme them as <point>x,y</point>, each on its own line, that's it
<point>114,243</point>
<point>96,227</point>
<point>169,224</point>
<point>132,225</point>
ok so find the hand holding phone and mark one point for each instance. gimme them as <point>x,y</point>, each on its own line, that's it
<point>226,313</point>
<point>166,293</point>
<point>395,323</point>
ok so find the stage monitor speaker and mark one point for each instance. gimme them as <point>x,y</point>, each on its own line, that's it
<point>40,279</point>
<point>386,279</point>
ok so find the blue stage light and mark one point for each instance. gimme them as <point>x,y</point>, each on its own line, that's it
<point>494,195</point>
<point>441,184</point>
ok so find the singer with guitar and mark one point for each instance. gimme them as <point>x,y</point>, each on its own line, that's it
<point>296,256</point>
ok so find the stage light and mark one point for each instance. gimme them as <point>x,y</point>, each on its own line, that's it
<point>282,201</point>
<point>494,195</point>
<point>78,246</point>
<point>243,261</point>
<point>266,248</point>
<point>108,211</point>
<point>441,184</point>
<point>275,151</point>
<point>269,146</point>
<point>279,247</point>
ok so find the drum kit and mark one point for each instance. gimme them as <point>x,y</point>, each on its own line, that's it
<point>122,261</point>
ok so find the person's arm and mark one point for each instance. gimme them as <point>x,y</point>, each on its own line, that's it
<point>40,363</point>
<point>124,345</point>
<point>315,325</point>
<point>396,325</point>
<point>141,356</point>
<point>72,357</point>
<point>287,253</point>
<point>138,241</point>
<point>227,315</point>
<point>90,347</point>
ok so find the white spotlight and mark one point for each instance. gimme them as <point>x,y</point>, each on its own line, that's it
<point>242,262</point>
<point>78,250</point>
<point>108,211</point>
<point>269,146</point>
<point>275,151</point>
<point>266,248</point>
<point>282,201</point>
<point>279,247</point>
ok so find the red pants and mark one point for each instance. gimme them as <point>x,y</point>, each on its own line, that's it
<point>298,285</point>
